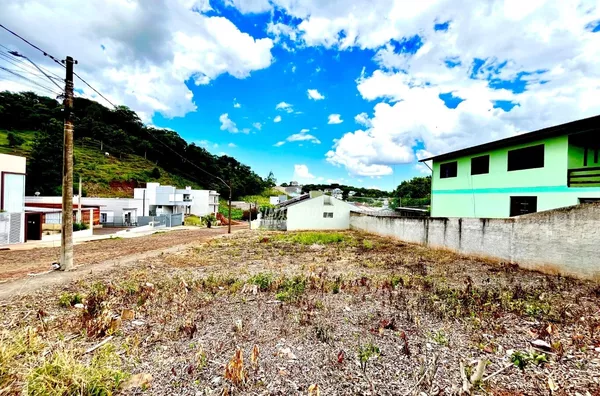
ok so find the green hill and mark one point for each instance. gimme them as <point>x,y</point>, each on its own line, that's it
<point>137,153</point>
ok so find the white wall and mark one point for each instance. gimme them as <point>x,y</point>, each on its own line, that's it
<point>308,215</point>
<point>12,163</point>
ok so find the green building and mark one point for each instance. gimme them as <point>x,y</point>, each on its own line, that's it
<point>541,170</point>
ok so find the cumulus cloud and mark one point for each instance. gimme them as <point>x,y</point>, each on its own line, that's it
<point>236,104</point>
<point>134,54</point>
<point>227,124</point>
<point>283,106</point>
<point>231,145</point>
<point>334,119</point>
<point>277,119</point>
<point>302,136</point>
<point>362,119</point>
<point>314,94</point>
<point>301,173</point>
<point>257,125</point>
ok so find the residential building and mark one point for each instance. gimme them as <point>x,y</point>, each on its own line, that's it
<point>159,200</point>
<point>546,169</point>
<point>153,200</point>
<point>12,199</point>
<point>337,193</point>
<point>276,200</point>
<point>316,211</point>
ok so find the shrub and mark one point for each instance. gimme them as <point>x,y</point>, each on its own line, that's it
<point>80,226</point>
<point>263,280</point>
<point>291,289</point>
<point>67,299</point>
<point>209,219</point>
<point>14,140</point>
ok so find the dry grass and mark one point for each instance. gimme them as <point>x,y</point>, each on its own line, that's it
<point>273,313</point>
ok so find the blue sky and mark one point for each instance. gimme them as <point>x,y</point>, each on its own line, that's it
<point>361,89</point>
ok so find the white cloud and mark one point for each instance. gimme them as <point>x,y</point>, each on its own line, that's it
<point>314,94</point>
<point>362,119</point>
<point>250,6</point>
<point>236,104</point>
<point>246,130</point>
<point>335,119</point>
<point>294,69</point>
<point>302,136</point>
<point>304,130</point>
<point>257,125</point>
<point>543,44</point>
<point>277,119</point>
<point>301,173</point>
<point>232,145</point>
<point>283,106</point>
<point>149,52</point>
<point>227,124</point>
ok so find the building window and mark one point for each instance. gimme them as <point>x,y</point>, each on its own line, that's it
<point>526,158</point>
<point>103,218</point>
<point>522,205</point>
<point>449,169</point>
<point>327,215</point>
<point>480,165</point>
<point>588,200</point>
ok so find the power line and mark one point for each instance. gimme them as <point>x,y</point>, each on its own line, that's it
<point>95,90</point>
<point>33,45</point>
<point>8,50</point>
<point>30,80</point>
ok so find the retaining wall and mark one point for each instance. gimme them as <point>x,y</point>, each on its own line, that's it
<point>564,241</point>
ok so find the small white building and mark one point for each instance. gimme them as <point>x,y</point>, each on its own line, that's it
<point>169,200</point>
<point>337,193</point>
<point>277,199</point>
<point>12,199</point>
<point>317,212</point>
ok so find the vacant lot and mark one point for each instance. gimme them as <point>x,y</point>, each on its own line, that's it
<point>16,264</point>
<point>306,313</point>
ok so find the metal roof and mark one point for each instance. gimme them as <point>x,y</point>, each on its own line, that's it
<point>583,125</point>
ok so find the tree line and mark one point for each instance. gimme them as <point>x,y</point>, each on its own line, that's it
<point>120,128</point>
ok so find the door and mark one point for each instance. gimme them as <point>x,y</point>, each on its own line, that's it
<point>33,229</point>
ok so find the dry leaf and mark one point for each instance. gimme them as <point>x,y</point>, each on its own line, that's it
<point>314,390</point>
<point>254,356</point>
<point>141,381</point>
<point>234,371</point>
<point>127,314</point>
<point>552,385</point>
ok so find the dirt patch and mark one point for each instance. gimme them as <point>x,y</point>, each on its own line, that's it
<point>358,314</point>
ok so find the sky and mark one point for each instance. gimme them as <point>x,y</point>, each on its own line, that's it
<point>347,91</point>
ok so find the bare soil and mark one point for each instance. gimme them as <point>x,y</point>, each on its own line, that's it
<point>366,315</point>
<point>15,264</point>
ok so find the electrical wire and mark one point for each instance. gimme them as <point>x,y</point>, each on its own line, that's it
<point>32,45</point>
<point>8,50</point>
<point>95,90</point>
<point>30,80</point>
<point>24,69</point>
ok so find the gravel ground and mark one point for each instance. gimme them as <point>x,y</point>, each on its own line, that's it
<point>364,316</point>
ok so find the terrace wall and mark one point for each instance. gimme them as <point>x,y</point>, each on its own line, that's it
<point>563,241</point>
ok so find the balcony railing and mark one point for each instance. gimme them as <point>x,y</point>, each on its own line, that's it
<point>583,177</point>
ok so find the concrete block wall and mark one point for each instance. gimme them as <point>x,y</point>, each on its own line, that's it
<point>564,241</point>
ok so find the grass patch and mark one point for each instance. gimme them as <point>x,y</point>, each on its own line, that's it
<point>193,220</point>
<point>262,280</point>
<point>67,299</point>
<point>290,290</point>
<point>62,374</point>
<point>311,238</point>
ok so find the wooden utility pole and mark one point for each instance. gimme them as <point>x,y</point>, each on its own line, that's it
<point>66,236</point>
<point>79,218</point>
<point>229,223</point>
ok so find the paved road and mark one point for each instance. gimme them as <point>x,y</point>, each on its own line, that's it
<point>15,264</point>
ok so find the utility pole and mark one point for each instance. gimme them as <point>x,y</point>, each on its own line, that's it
<point>66,236</point>
<point>229,223</point>
<point>79,218</point>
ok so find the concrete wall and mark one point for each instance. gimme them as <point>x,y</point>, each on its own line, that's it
<point>563,241</point>
<point>308,214</point>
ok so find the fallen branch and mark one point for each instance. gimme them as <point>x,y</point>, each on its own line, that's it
<point>92,349</point>
<point>497,372</point>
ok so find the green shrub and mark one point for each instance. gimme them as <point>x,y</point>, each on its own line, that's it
<point>311,238</point>
<point>263,280</point>
<point>291,289</point>
<point>67,299</point>
<point>80,226</point>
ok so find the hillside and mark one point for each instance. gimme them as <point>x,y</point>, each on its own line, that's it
<point>103,176</point>
<point>137,153</point>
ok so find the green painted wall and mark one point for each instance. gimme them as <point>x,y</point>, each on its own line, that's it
<point>488,195</point>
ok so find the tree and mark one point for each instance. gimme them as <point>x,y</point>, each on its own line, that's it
<point>155,173</point>
<point>414,192</point>
<point>270,181</point>
<point>14,140</point>
<point>284,185</point>
<point>46,157</point>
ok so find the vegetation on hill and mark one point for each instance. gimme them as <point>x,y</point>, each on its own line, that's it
<point>135,150</point>
<point>360,191</point>
<point>413,192</point>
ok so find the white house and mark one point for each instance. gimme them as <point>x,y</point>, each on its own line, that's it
<point>168,199</point>
<point>317,212</point>
<point>337,193</point>
<point>153,200</point>
<point>12,199</point>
